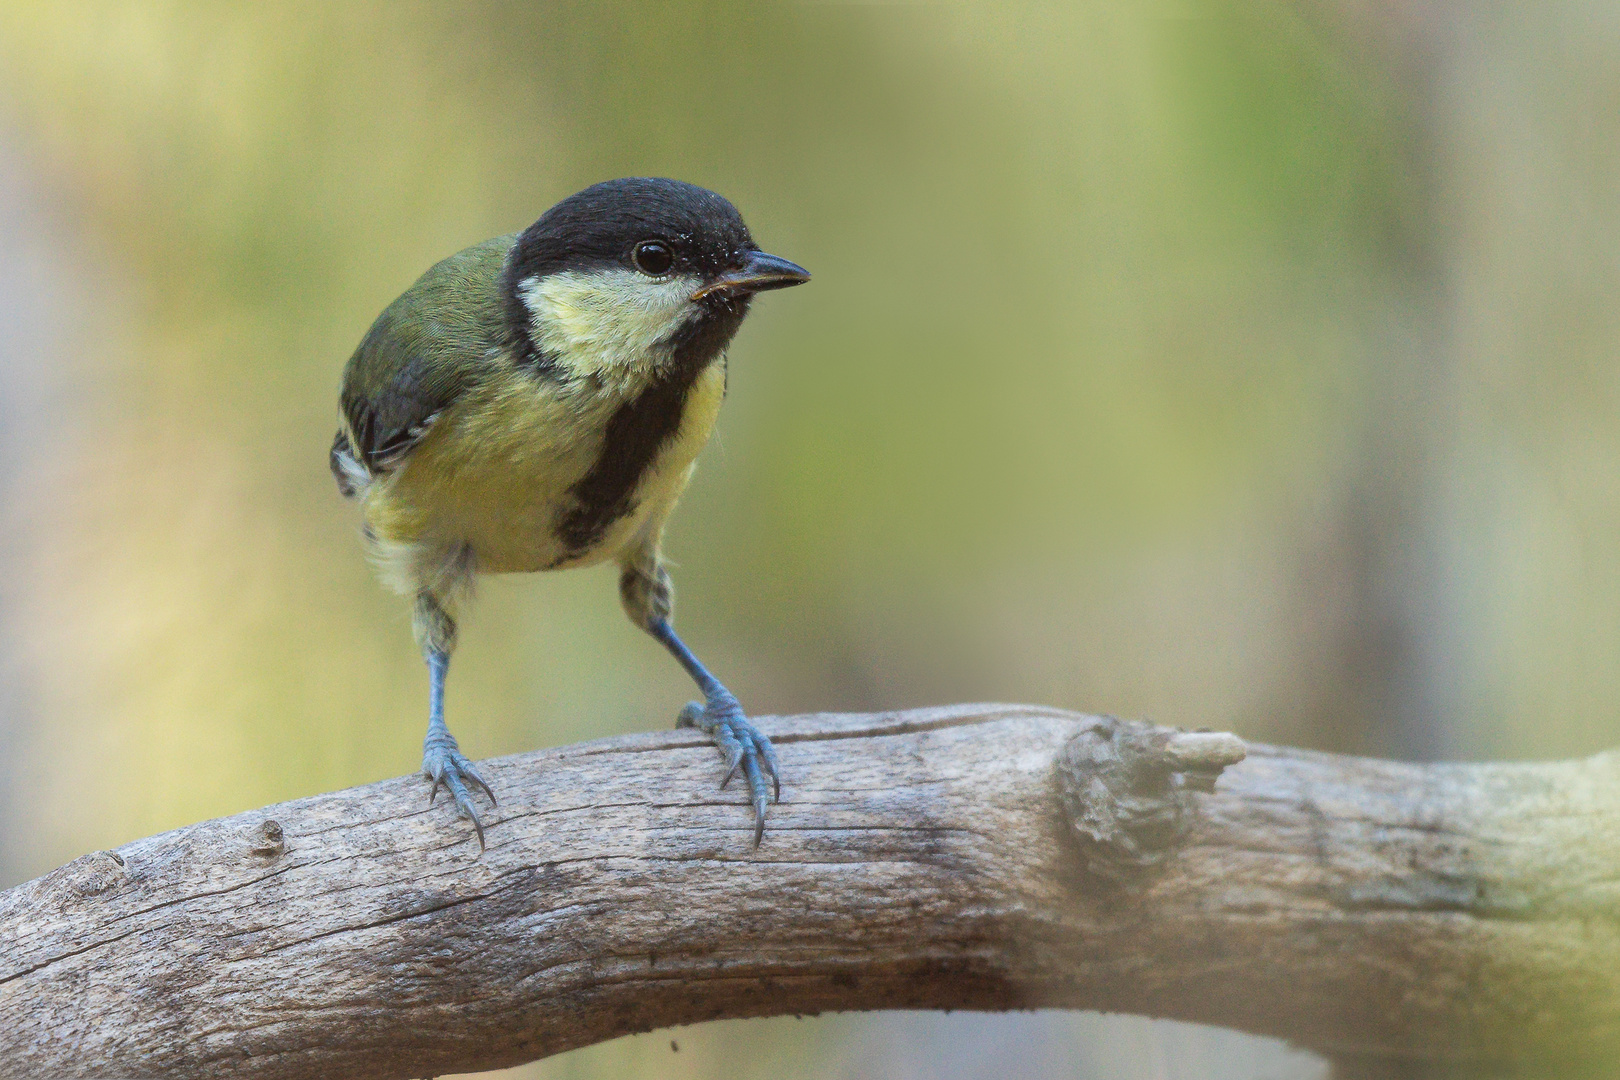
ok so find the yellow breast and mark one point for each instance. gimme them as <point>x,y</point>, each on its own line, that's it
<point>495,472</point>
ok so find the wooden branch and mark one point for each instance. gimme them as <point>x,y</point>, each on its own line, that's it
<point>973,857</point>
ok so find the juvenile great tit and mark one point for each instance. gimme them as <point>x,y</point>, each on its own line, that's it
<point>537,402</point>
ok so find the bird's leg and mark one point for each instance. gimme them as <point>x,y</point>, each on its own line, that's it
<point>442,760</point>
<point>649,600</point>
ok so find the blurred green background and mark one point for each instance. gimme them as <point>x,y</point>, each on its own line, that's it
<point>1243,365</point>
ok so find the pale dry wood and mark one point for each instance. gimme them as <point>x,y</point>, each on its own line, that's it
<point>979,857</point>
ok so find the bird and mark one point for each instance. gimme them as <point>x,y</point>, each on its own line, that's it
<point>537,402</point>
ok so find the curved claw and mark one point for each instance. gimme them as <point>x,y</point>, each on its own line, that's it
<point>465,804</point>
<point>472,774</point>
<point>768,752</point>
<point>756,788</point>
<point>734,748</point>
<point>745,749</point>
<point>447,768</point>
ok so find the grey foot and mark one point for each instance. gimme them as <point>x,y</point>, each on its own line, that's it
<point>745,747</point>
<point>444,765</point>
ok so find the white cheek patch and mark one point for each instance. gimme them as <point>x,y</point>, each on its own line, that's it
<point>607,322</point>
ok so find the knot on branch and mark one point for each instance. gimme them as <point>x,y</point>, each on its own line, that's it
<point>267,840</point>
<point>1125,788</point>
<point>88,875</point>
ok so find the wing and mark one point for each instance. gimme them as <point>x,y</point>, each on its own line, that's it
<point>427,349</point>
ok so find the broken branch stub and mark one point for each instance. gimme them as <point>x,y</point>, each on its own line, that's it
<point>1126,789</point>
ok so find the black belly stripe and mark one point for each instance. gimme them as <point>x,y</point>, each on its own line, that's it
<point>635,434</point>
<point>638,431</point>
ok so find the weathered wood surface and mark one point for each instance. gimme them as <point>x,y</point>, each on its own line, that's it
<point>971,857</point>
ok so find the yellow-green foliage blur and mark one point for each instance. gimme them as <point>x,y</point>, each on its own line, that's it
<point>1233,365</point>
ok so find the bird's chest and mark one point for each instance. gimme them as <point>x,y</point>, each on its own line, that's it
<point>648,446</point>
<point>534,481</point>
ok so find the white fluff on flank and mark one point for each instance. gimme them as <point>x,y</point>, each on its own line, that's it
<point>356,477</point>
<point>412,566</point>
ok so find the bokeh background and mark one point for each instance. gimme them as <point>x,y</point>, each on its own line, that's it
<point>1235,364</point>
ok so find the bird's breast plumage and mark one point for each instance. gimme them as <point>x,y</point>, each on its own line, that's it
<point>531,474</point>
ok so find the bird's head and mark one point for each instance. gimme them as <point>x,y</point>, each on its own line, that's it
<point>636,273</point>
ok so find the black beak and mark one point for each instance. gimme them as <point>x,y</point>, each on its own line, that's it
<point>760,273</point>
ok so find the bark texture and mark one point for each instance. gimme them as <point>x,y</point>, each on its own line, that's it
<point>1398,917</point>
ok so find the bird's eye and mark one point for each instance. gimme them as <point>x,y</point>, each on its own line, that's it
<point>653,257</point>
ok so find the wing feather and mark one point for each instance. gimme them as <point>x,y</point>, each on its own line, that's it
<point>442,337</point>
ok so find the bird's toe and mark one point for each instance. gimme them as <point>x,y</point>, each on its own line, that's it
<point>445,766</point>
<point>745,748</point>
